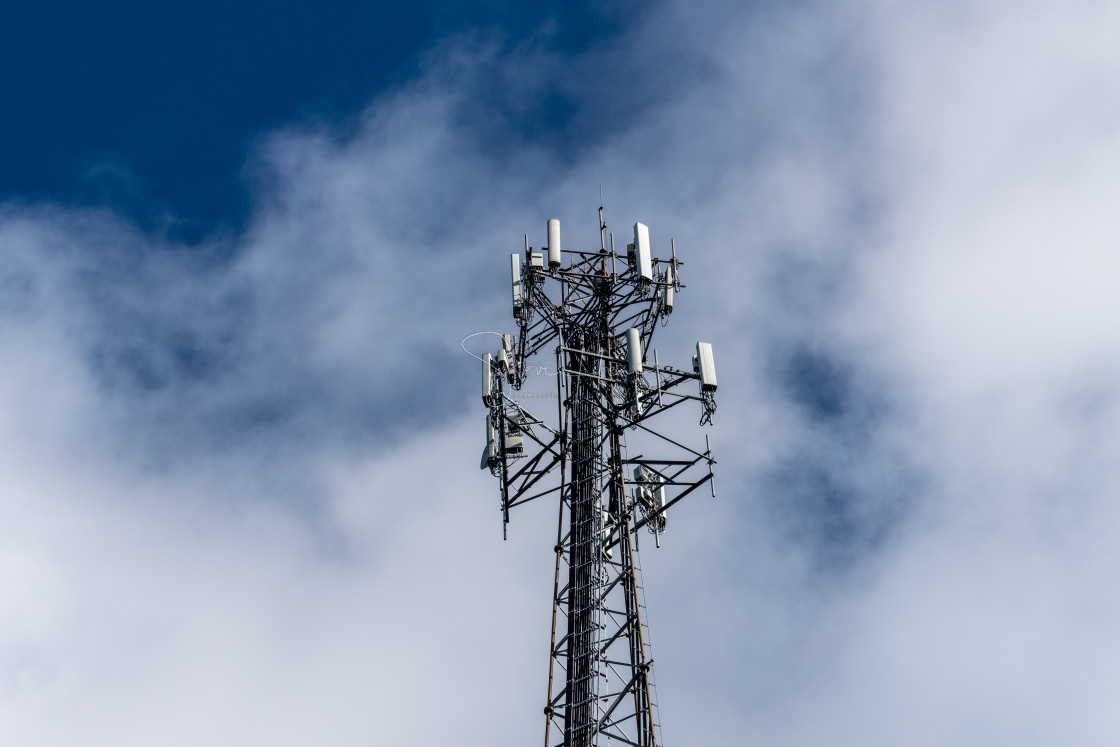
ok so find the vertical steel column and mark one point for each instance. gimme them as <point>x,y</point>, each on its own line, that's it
<point>600,688</point>
<point>580,720</point>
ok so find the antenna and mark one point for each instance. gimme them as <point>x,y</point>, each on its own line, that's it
<point>553,227</point>
<point>602,225</point>
<point>598,326</point>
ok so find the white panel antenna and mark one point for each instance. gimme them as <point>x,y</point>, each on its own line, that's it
<point>506,355</point>
<point>669,291</point>
<point>515,271</point>
<point>659,499</point>
<point>490,451</point>
<point>642,251</point>
<point>487,380</point>
<point>634,350</point>
<point>553,242</point>
<point>704,364</point>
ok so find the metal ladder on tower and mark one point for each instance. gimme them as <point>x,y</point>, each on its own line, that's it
<point>639,585</point>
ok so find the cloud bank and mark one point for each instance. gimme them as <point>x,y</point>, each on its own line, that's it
<point>240,498</point>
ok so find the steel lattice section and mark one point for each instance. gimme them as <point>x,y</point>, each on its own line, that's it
<point>599,326</point>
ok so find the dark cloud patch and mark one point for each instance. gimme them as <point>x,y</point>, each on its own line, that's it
<point>819,385</point>
<point>842,488</point>
<point>829,510</point>
<point>820,510</point>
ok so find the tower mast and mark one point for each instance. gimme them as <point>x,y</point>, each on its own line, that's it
<point>598,315</point>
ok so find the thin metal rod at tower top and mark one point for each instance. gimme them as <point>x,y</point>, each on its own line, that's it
<point>602,225</point>
<point>599,326</point>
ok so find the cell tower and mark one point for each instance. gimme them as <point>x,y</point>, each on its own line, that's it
<point>596,311</point>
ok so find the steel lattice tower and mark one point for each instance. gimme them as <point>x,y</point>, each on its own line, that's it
<point>597,313</point>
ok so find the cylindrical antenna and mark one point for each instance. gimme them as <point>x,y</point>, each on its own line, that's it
<point>633,350</point>
<point>553,243</point>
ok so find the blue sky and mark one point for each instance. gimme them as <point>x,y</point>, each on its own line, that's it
<point>154,109</point>
<point>239,495</point>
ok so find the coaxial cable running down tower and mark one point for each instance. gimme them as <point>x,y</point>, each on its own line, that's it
<point>596,312</point>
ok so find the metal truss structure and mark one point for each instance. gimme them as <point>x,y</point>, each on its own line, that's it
<point>596,312</point>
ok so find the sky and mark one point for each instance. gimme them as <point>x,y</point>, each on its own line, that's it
<point>239,249</point>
